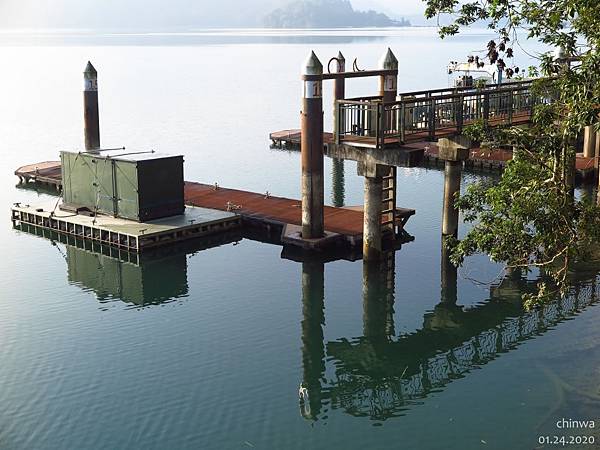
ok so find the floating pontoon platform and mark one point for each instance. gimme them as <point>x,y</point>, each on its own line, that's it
<point>127,234</point>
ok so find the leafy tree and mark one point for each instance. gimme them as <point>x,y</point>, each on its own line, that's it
<point>530,218</point>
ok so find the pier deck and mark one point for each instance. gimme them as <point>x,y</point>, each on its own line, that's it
<point>480,158</point>
<point>279,210</point>
<point>346,223</point>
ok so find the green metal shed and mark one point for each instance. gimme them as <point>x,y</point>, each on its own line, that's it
<point>139,186</point>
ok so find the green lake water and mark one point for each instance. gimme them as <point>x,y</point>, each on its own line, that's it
<point>207,348</point>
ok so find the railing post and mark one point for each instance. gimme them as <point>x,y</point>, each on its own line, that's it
<point>431,117</point>
<point>510,107</point>
<point>459,113</point>
<point>402,122</point>
<point>337,121</point>
<point>486,107</point>
<point>378,126</point>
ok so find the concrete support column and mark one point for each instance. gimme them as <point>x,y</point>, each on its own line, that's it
<point>372,239</point>
<point>313,348</point>
<point>91,116</point>
<point>372,229</point>
<point>454,151</point>
<point>337,177</point>
<point>452,178</point>
<point>589,142</point>
<point>312,149</point>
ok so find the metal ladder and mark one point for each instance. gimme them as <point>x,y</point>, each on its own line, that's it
<point>388,210</point>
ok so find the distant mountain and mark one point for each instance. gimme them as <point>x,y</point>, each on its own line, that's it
<point>327,14</point>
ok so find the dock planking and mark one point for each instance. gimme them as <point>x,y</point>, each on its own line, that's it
<point>279,210</point>
<point>251,205</point>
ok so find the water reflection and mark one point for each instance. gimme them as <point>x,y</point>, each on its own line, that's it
<point>201,38</point>
<point>150,278</point>
<point>380,375</point>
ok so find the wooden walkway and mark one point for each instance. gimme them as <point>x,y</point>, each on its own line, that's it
<point>279,210</point>
<point>270,209</point>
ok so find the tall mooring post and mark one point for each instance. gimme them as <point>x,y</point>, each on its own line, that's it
<point>372,228</point>
<point>388,83</point>
<point>91,117</point>
<point>311,145</point>
<point>454,151</point>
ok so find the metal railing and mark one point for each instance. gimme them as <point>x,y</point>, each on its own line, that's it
<point>370,122</point>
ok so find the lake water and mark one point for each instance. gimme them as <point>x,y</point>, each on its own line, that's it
<point>207,349</point>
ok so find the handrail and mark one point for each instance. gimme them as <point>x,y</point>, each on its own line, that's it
<point>467,88</point>
<point>373,122</point>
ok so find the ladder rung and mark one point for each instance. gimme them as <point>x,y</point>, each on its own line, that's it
<point>387,222</point>
<point>387,211</point>
<point>389,188</point>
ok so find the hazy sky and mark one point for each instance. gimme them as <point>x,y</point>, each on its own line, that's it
<point>163,13</point>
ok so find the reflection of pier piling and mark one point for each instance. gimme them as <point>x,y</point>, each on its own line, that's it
<point>313,348</point>
<point>378,298</point>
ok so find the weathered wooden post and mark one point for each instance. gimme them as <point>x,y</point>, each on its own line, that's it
<point>91,117</point>
<point>454,151</point>
<point>589,141</point>
<point>339,93</point>
<point>313,349</point>
<point>372,229</point>
<point>312,149</point>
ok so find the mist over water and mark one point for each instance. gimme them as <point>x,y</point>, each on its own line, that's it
<point>207,348</point>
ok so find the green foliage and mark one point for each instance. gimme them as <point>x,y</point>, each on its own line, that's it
<point>530,218</point>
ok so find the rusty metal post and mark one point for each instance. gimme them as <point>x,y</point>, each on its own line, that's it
<point>312,149</point>
<point>91,117</point>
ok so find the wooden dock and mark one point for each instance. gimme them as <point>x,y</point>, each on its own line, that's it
<point>279,210</point>
<point>285,214</point>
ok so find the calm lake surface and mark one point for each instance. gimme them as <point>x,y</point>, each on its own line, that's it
<point>207,349</point>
